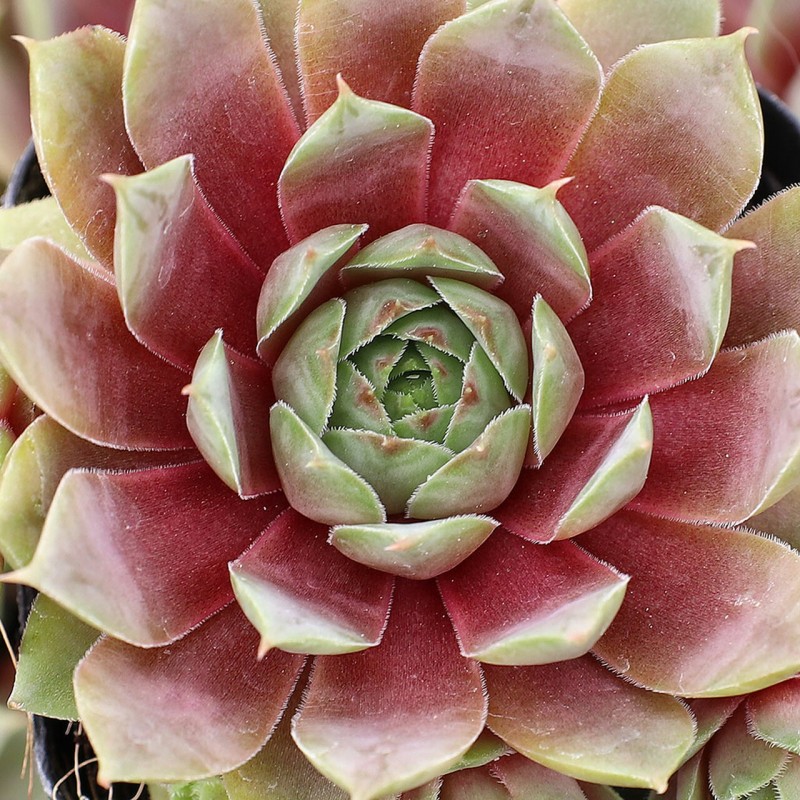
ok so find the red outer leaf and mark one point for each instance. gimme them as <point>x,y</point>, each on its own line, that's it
<point>656,139</point>
<point>502,59</point>
<point>773,714</point>
<point>145,571</point>
<point>141,707</point>
<point>726,445</point>
<point>377,56</point>
<point>724,623</point>
<point>79,130</point>
<point>231,110</point>
<point>279,24</point>
<point>64,340</point>
<point>526,779</point>
<point>475,784</point>
<point>392,717</point>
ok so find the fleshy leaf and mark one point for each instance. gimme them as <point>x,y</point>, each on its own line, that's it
<point>460,486</point>
<point>487,748</point>
<point>316,483</point>
<point>180,274</point>
<point>503,57</point>
<point>418,251</point>
<point>495,327</point>
<point>530,237</point>
<point>52,645</point>
<point>557,379</point>
<point>228,399</point>
<point>525,779</point>
<point>224,110</point>
<point>627,159</point>
<point>780,519</point>
<point>104,555</point>
<point>298,281</point>
<point>716,627</point>
<point>774,715</point>
<point>378,56</point>
<point>377,359</point>
<point>579,719</point>
<point>598,466</point>
<point>417,550</point>
<point>357,405</point>
<point>517,603</point>
<point>788,783</point>
<point>436,327</point>
<point>447,373</point>
<point>746,413</point>
<point>305,597</point>
<point>430,424</point>
<point>79,130</point>
<point>613,28</point>
<point>361,162</point>
<point>476,784</point>
<point>662,299</point>
<point>64,341</point>
<point>39,218</point>
<point>376,737</point>
<point>279,23</point>
<point>140,706</point>
<point>710,713</point>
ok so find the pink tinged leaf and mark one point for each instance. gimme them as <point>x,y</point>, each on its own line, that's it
<point>487,748</point>
<point>773,715</point>
<point>530,237</point>
<point>724,624</point>
<point>612,28</point>
<point>33,469</point>
<point>504,57</point>
<point>279,24</point>
<point>64,341</point>
<point>303,596</point>
<point>418,251</point>
<point>318,484</point>
<point>416,550</point>
<point>178,101</point>
<point>738,763</point>
<point>475,784</point>
<point>745,414</point>
<point>116,555</point>
<point>710,713</point>
<point>781,519</point>
<point>39,218</point>
<point>517,603</point>
<point>140,707</point>
<point>599,465</point>
<point>656,139</point>
<point>79,130</point>
<point>390,718</point>
<point>661,305</point>
<point>777,49</point>
<point>579,719</point>
<point>460,486</point>
<point>788,782</point>
<point>229,398</point>
<point>377,57</point>
<point>180,274</point>
<point>558,379</point>
<point>690,782</point>
<point>298,281</point>
<point>526,779</point>
<point>361,162</point>
<point>765,295</point>
<point>356,404</point>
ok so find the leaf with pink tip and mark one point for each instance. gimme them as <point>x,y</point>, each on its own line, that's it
<point>526,779</point>
<point>530,237</point>
<point>788,782</point>
<point>773,715</point>
<point>504,58</point>
<point>613,28</point>
<point>303,596</point>
<point>662,299</point>
<point>180,274</point>
<point>416,550</point>
<point>141,707</point>
<point>223,110</point>
<point>475,784</point>
<point>356,405</point>
<point>377,57</point>
<point>63,339</point>
<point>105,557</point>
<point>579,719</point>
<point>361,162</point>
<point>460,486</point>
<point>392,717</point>
<point>517,603</point>
<point>598,466</point>
<point>745,415</point>
<point>39,218</point>
<point>723,624</point>
<point>228,399</point>
<point>766,280</point>
<point>79,130</point>
<point>738,763</point>
<point>656,139</point>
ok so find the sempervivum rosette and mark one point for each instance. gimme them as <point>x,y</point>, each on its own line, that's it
<point>370,410</point>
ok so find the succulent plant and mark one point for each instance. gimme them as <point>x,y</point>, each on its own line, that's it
<point>405,414</point>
